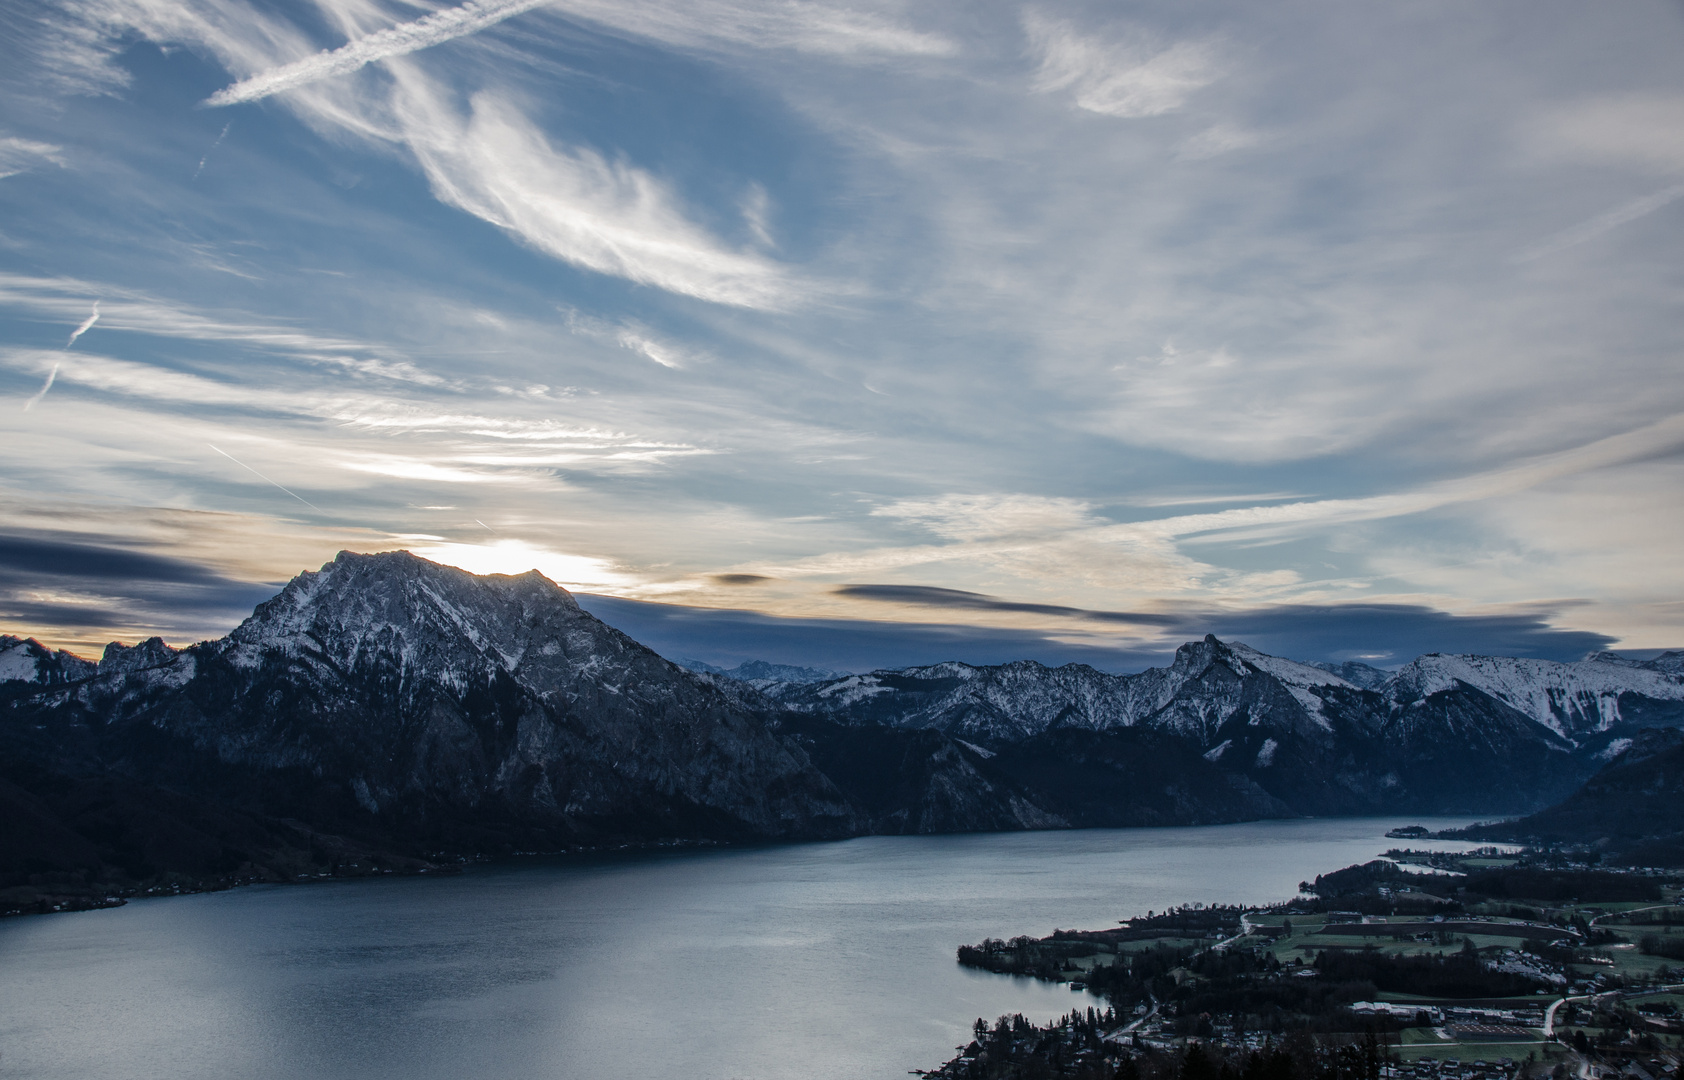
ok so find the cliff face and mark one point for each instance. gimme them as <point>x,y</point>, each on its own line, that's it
<point>402,699</point>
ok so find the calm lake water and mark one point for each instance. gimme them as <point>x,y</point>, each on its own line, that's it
<point>820,961</point>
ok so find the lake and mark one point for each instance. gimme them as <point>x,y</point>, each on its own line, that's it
<point>830,961</point>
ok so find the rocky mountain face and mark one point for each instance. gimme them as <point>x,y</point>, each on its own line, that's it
<point>416,707</point>
<point>1446,734</point>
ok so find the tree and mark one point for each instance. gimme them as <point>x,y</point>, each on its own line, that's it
<point>1197,1065</point>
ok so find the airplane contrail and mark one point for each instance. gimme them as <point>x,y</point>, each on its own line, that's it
<point>1600,224</point>
<point>439,27</point>
<point>53,374</point>
<point>212,149</point>
<point>41,393</point>
<point>86,325</point>
<point>265,479</point>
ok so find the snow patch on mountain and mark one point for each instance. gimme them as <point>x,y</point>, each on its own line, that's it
<point>1290,672</point>
<point>18,664</point>
<point>1571,700</point>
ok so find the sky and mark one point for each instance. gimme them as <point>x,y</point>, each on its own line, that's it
<point>855,334</point>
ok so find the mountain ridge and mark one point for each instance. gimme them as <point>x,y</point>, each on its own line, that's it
<point>384,710</point>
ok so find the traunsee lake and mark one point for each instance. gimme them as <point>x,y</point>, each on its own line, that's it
<point>820,961</point>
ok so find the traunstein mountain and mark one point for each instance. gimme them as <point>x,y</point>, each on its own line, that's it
<point>424,706</point>
<point>388,708</point>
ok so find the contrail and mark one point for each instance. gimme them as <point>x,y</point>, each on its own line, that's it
<point>260,476</point>
<point>440,26</point>
<point>212,149</point>
<point>484,526</point>
<point>87,324</point>
<point>41,393</point>
<point>1600,224</point>
<point>53,374</point>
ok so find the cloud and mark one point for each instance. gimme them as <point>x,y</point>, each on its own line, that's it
<point>960,600</point>
<point>1380,634</point>
<point>729,637</point>
<point>427,472</point>
<point>434,29</point>
<point>572,203</point>
<point>575,204</point>
<point>801,26</point>
<point>140,312</point>
<point>71,557</point>
<point>1124,78</point>
<point>21,155</point>
<point>1383,635</point>
<point>1596,226</point>
<point>1634,129</point>
<point>980,517</point>
<point>740,579</point>
<point>1056,545</point>
<point>62,586</point>
<point>797,25</point>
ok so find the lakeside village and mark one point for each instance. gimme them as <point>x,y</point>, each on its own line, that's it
<point>1477,965</point>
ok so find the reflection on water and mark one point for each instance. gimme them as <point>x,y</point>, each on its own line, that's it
<point>816,960</point>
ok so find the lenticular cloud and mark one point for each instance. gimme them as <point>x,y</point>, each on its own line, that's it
<point>441,26</point>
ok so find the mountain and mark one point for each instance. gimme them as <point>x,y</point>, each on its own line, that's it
<point>1446,734</point>
<point>1573,700</point>
<point>28,661</point>
<point>1632,808</point>
<point>388,713</point>
<point>760,674</point>
<point>409,707</point>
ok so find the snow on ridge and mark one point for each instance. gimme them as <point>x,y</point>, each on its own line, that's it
<point>1290,672</point>
<point>1566,698</point>
<point>18,664</point>
<point>846,691</point>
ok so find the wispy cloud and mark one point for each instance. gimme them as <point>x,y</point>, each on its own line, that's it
<point>801,26</point>
<point>575,204</point>
<point>435,29</point>
<point>979,517</point>
<point>1596,226</point>
<point>1052,544</point>
<point>797,25</point>
<point>633,336</point>
<point>20,155</point>
<point>492,160</point>
<point>1128,77</point>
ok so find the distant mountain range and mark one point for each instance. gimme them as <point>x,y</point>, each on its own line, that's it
<point>386,712</point>
<point>1444,734</point>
